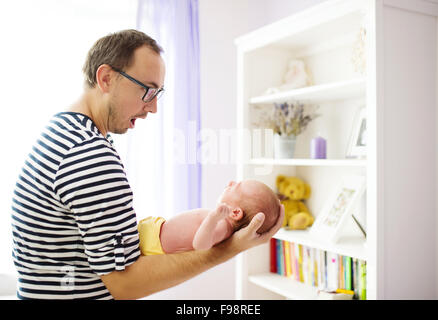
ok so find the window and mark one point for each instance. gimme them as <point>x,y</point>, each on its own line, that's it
<point>44,45</point>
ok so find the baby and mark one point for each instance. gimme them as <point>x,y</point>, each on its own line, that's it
<point>200,229</point>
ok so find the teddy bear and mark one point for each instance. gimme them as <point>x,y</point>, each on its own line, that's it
<point>292,191</point>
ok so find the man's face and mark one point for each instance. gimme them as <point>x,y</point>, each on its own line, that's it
<point>125,104</point>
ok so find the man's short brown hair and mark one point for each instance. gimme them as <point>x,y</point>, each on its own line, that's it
<point>116,50</point>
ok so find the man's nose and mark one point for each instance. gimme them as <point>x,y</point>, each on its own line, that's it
<point>151,106</point>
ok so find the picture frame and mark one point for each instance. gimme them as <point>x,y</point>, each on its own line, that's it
<point>338,208</point>
<point>357,145</point>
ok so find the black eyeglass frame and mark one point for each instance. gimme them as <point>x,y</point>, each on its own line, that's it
<point>147,88</point>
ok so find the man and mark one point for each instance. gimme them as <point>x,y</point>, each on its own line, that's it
<point>74,227</point>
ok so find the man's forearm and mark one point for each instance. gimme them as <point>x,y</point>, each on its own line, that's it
<point>150,274</point>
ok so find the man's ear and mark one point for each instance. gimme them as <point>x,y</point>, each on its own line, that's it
<point>236,214</point>
<point>103,77</point>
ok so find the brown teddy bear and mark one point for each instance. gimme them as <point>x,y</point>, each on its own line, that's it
<point>292,191</point>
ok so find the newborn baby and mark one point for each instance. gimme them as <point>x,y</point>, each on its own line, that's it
<point>200,229</point>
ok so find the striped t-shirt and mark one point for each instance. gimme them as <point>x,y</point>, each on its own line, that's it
<point>72,214</point>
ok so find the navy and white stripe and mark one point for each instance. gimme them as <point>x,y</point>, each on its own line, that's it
<point>72,214</point>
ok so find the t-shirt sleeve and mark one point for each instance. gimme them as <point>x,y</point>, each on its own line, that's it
<point>92,184</point>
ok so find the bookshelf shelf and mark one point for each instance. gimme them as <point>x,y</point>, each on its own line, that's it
<point>284,286</point>
<point>340,90</point>
<point>326,39</point>
<point>310,162</point>
<point>348,245</point>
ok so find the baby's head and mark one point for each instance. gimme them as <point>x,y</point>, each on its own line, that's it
<point>247,198</point>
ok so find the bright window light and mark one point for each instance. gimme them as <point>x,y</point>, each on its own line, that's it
<point>44,45</point>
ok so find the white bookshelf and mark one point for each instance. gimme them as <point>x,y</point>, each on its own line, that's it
<point>340,90</point>
<point>323,37</point>
<point>285,287</point>
<point>309,162</point>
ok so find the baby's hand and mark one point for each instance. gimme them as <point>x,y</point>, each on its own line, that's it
<point>222,211</point>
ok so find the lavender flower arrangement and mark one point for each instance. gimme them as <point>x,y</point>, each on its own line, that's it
<point>288,119</point>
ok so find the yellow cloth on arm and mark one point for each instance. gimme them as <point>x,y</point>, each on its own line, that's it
<point>149,233</point>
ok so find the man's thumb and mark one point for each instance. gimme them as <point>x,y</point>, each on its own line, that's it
<point>257,221</point>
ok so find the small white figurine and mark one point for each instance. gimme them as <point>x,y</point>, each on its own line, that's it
<point>296,76</point>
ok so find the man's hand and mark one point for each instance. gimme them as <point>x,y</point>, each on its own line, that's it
<point>248,237</point>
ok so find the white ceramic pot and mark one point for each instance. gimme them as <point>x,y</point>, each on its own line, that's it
<point>284,146</point>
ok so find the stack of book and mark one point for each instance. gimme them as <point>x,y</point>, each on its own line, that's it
<point>322,269</point>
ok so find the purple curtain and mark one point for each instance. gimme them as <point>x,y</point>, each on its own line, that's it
<point>174,25</point>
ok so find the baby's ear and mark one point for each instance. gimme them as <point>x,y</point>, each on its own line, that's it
<point>236,214</point>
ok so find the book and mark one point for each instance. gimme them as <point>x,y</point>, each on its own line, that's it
<point>362,280</point>
<point>281,258</point>
<point>341,274</point>
<point>313,254</point>
<point>319,269</point>
<point>300,263</point>
<point>331,273</point>
<point>325,285</point>
<point>307,266</point>
<point>304,264</point>
<point>273,255</point>
<point>286,249</point>
<point>355,278</point>
<point>348,280</point>
<point>297,262</point>
<point>294,262</point>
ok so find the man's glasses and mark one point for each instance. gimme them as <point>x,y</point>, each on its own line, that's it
<point>150,93</point>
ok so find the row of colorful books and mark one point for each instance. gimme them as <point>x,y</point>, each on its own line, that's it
<point>322,269</point>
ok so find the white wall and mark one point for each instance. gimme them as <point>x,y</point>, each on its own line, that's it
<point>409,266</point>
<point>220,22</point>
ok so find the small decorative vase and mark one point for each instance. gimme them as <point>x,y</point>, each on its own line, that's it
<point>284,146</point>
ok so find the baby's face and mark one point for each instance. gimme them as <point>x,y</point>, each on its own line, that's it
<point>235,191</point>
<point>231,194</point>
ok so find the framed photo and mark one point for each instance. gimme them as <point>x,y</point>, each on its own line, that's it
<point>357,146</point>
<point>338,208</point>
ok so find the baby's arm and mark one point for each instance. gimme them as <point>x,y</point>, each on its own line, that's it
<point>204,237</point>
